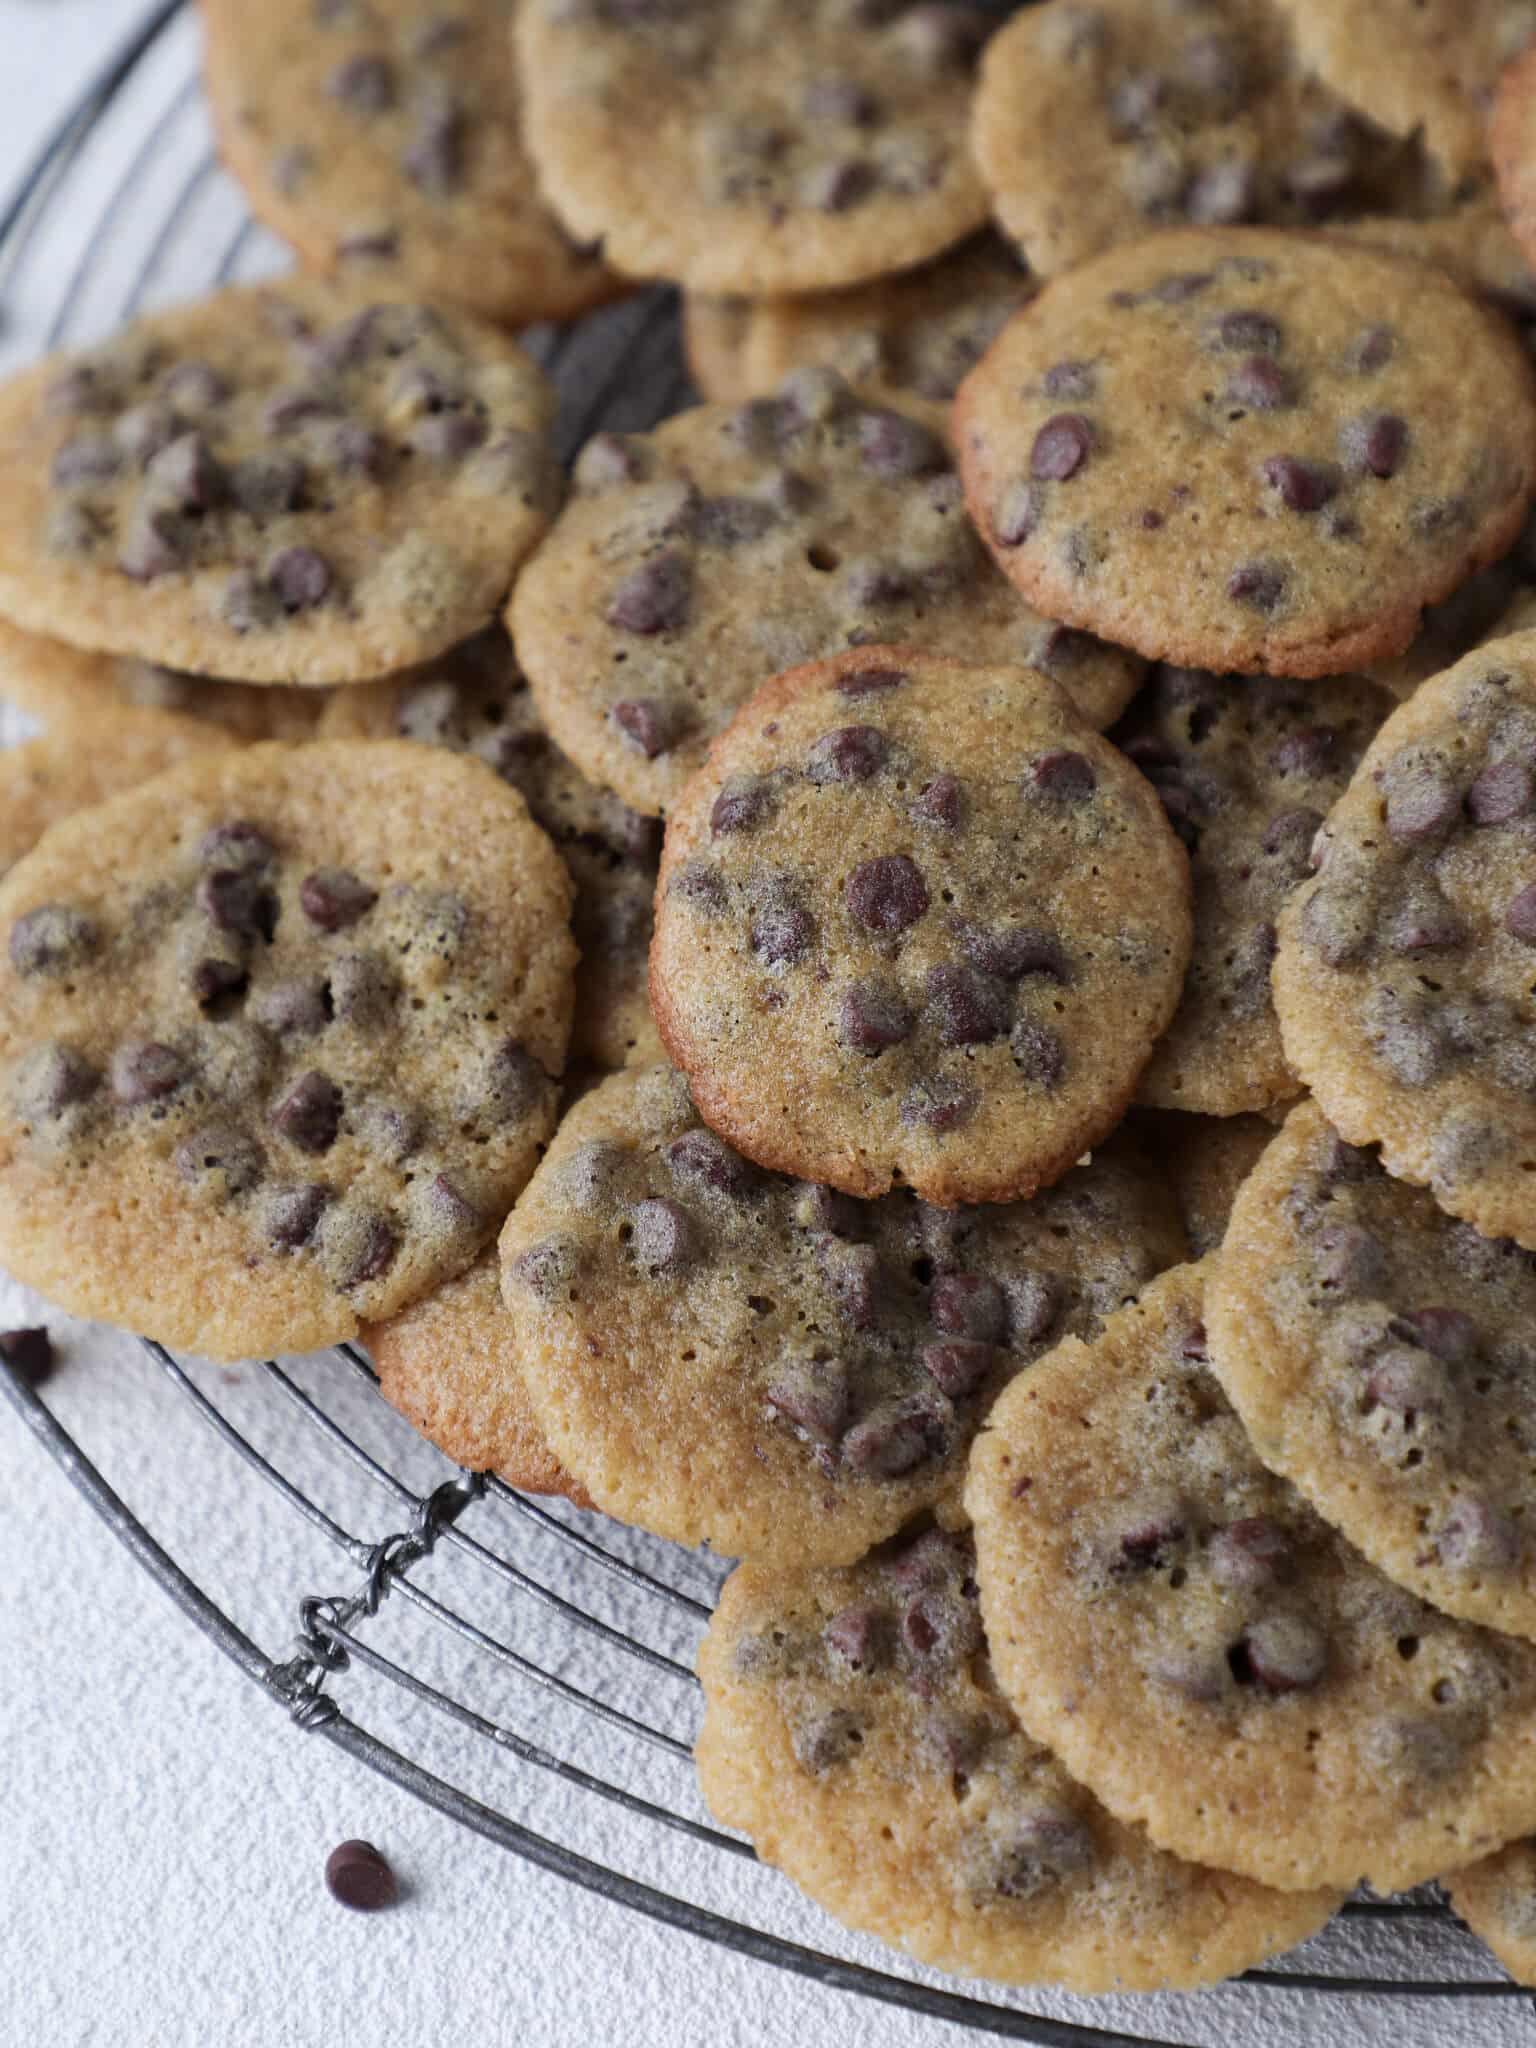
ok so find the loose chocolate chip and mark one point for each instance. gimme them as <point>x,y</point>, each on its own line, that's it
<point>898,1436</point>
<point>1376,441</point>
<point>828,1741</point>
<point>364,83</point>
<point>1505,790</point>
<point>1016,516</point>
<point>289,1215</point>
<point>1351,1260</point>
<point>968,1305</point>
<point>88,459</point>
<point>220,1156</point>
<point>958,1367</point>
<point>812,1393</point>
<point>1038,1052</point>
<point>782,933</point>
<point>894,447</point>
<point>700,1156</point>
<point>142,1070</point>
<point>299,578</point>
<point>970,1008</point>
<point>334,898</point>
<point>940,1103</point>
<point>742,805</point>
<point>940,803</point>
<point>1303,486</point>
<point>1520,917</point>
<point>29,1354</point>
<point>655,724</point>
<point>1062,774</point>
<point>1061,447</point>
<point>873,1016</point>
<point>1245,331</point>
<point>356,1875</point>
<point>858,1636</point>
<point>1250,1555</point>
<point>1259,585</point>
<point>664,1239</point>
<point>1477,1536</point>
<point>53,939</point>
<point>1283,1653</point>
<point>309,1114</point>
<point>52,1079</point>
<point>1260,385</point>
<point>887,894</point>
<point>853,753</point>
<point>867,682</point>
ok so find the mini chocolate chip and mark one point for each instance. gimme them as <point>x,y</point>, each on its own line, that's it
<point>51,1079</point>
<point>1014,952</point>
<point>152,543</point>
<point>1259,384</point>
<point>1074,378</point>
<point>1477,1536</point>
<point>144,430</point>
<point>1035,1301</point>
<point>837,187</point>
<point>364,83</point>
<point>1245,331</point>
<point>887,894</point>
<point>1284,1653</point>
<point>214,981</point>
<point>729,522</point>
<point>545,1269</point>
<point>513,1084</point>
<point>88,459</point>
<point>1146,1529</point>
<point>266,486</point>
<point>866,682</point>
<point>220,1156</point>
<point>1424,922</point>
<point>664,1239</point>
<point>142,1070</point>
<point>358,1245</point>
<point>940,803</point>
<point>1303,486</point>
<point>1446,1333</point>
<point>1407,1382</point>
<point>656,597</point>
<point>299,578</point>
<point>309,1115</point>
<point>898,1436</point>
<point>700,1156</point>
<point>1503,791</point>
<point>449,1211</point>
<point>1309,750</point>
<point>1520,917</point>
<point>655,724</point>
<point>187,473</point>
<point>289,1215</point>
<point>853,753</point>
<point>433,159</point>
<point>812,1393</point>
<point>782,933</point>
<point>970,1008</point>
<point>53,939</point>
<point>1250,1555</point>
<point>364,989</point>
<point>742,805</point>
<point>940,1103</point>
<point>1338,924</point>
<point>1016,515</point>
<point>334,898</point>
<point>828,1741</point>
<point>873,1016</point>
<point>1376,441</point>
<point>700,883</point>
<point>29,1354</point>
<point>1371,350</point>
<point>959,1366</point>
<point>1038,1052</point>
<point>1061,447</point>
<point>893,446</point>
<point>1259,585</point>
<point>968,1305</point>
<point>852,1273</point>
<point>858,1636</point>
<point>1351,1260</point>
<point>1062,774</point>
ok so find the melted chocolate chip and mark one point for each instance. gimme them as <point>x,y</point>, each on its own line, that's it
<point>858,1636</point>
<point>289,1215</point>
<point>220,1158</point>
<point>887,894</point>
<point>1302,486</point>
<point>653,723</point>
<point>873,1015</point>
<point>898,1436</point>
<point>865,682</point>
<point>1283,1654</point>
<point>1250,1555</point>
<point>1503,791</point>
<point>1061,447</point>
<point>664,1239</point>
<point>334,898</point>
<point>853,753</point>
<point>309,1114</point>
<point>969,1305</point>
<point>702,1157</point>
<point>940,1102</point>
<point>812,1393</point>
<point>1259,585</point>
<point>940,803</point>
<point>959,1366</point>
<point>53,939</point>
<point>970,1008</point>
<point>1520,915</point>
<point>1064,775</point>
<point>1260,385</point>
<point>142,1070</point>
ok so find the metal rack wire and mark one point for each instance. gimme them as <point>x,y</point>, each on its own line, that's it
<point>625,1613</point>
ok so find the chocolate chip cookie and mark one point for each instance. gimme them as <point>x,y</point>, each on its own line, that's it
<point>71,691</point>
<point>1403,980</point>
<point>724,1355</point>
<point>1249,450</point>
<point>1207,1655</point>
<point>448,1363</point>
<point>476,700</point>
<point>853,1729</point>
<point>384,137</point>
<point>917,924</point>
<point>1497,1900</point>
<point>1379,1353</point>
<point>1205,1159</point>
<point>755,146</point>
<point>280,483</point>
<point>1246,768</point>
<point>278,1033</point>
<point>694,563</point>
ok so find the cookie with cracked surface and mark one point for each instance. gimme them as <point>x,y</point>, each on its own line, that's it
<point>714,344</point>
<point>1379,1355</point>
<point>448,1363</point>
<point>1249,449</point>
<point>906,340</point>
<point>1403,979</point>
<point>71,690</point>
<point>1206,1654</point>
<point>382,138</point>
<point>278,1033</point>
<point>1418,67</point>
<point>1205,1160</point>
<point>693,563</point>
<point>1497,1900</point>
<point>802,144</point>
<point>1246,767</point>
<point>278,483</point>
<point>476,700</point>
<point>917,924</point>
<point>853,1729</point>
<point>729,1356</point>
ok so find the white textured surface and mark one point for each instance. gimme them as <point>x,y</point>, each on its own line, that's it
<point>165,1825</point>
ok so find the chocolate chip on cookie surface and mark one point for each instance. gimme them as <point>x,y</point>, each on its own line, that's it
<point>917,924</point>
<point>1403,980</point>
<point>852,1728</point>
<point>1249,450</point>
<point>730,1356</point>
<point>279,483</point>
<point>278,1033</point>
<point>1379,1354</point>
<point>1246,767</point>
<point>803,146</point>
<point>476,700</point>
<point>1210,1658</point>
<point>385,138</point>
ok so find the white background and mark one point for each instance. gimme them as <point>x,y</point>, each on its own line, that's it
<point>164,1826</point>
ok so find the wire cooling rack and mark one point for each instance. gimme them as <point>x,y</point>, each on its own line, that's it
<point>556,1649</point>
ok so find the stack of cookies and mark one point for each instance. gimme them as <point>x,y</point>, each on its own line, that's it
<point>923,975</point>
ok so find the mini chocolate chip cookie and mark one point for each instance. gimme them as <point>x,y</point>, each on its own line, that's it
<point>73,691</point>
<point>714,342</point>
<point>383,136</point>
<point>1246,768</point>
<point>1380,1356</point>
<point>46,779</point>
<point>1208,1656</point>
<point>1497,1900</point>
<point>476,700</point>
<point>1404,976</point>
<point>906,340</point>
<point>1248,449</point>
<point>755,146</point>
<point>1419,67</point>
<point>278,1033</point>
<point>1205,1159</point>
<point>448,1364</point>
<point>853,1729</point>
<point>694,563</point>
<point>279,483</point>
<point>728,1356</point>
<point>917,924</point>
